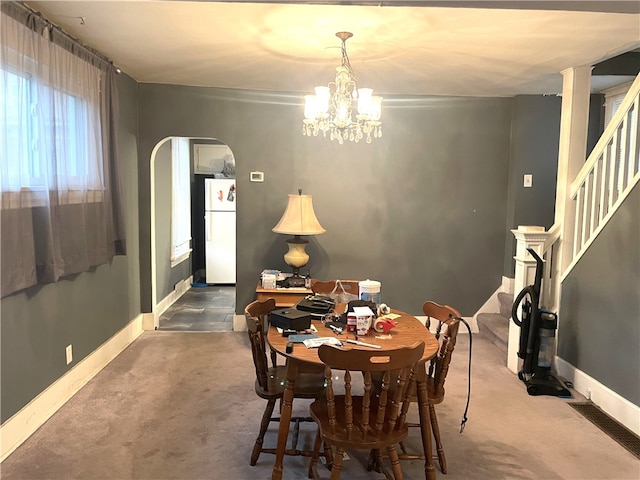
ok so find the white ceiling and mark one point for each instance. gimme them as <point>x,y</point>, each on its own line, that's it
<point>286,47</point>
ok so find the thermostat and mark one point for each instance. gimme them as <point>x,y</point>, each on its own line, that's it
<point>257,177</point>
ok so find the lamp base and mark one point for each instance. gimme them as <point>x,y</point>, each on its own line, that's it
<point>296,258</point>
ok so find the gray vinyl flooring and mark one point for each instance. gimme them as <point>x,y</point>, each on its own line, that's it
<point>201,309</point>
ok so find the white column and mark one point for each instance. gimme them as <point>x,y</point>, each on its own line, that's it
<point>572,153</point>
<point>526,237</point>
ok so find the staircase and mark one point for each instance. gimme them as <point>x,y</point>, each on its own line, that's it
<point>495,326</point>
<point>608,175</point>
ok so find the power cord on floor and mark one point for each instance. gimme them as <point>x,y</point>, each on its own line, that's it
<point>466,408</point>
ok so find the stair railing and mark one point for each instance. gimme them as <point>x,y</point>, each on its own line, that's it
<point>608,176</point>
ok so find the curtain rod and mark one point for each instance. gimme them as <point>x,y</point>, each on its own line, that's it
<point>48,23</point>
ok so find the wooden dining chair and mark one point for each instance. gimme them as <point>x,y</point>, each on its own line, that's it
<point>443,321</point>
<point>364,421</point>
<point>270,381</point>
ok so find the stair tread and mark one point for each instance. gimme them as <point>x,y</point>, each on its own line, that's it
<point>495,327</point>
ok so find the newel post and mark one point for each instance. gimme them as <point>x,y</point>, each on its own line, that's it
<point>526,237</point>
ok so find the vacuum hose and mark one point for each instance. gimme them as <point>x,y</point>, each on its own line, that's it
<point>528,327</point>
<point>516,303</point>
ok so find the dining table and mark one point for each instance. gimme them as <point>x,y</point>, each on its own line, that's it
<point>407,331</point>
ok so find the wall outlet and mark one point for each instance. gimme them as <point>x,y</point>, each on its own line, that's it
<point>69,352</point>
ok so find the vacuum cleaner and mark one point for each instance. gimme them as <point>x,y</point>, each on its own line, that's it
<point>537,339</point>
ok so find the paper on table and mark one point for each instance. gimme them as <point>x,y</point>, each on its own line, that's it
<point>311,329</point>
<point>316,342</point>
<point>362,312</point>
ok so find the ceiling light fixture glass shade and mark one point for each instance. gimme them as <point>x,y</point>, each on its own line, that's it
<point>331,108</point>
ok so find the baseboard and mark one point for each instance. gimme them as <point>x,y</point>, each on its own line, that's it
<point>507,284</point>
<point>609,401</point>
<point>239,323</point>
<point>492,305</point>
<point>20,426</point>
<point>178,290</point>
<point>151,321</point>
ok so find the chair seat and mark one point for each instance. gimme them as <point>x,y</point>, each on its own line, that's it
<point>308,385</point>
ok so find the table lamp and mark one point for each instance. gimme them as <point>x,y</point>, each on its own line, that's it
<point>298,219</point>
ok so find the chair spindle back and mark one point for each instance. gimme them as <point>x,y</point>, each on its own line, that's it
<point>446,317</point>
<point>256,317</point>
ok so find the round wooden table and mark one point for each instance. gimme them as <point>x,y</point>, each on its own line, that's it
<point>408,331</point>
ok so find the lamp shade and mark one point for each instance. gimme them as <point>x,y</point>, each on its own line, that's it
<point>299,217</point>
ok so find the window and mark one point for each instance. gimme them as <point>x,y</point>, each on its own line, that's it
<point>180,201</point>
<point>60,191</point>
<point>48,124</point>
<point>612,100</point>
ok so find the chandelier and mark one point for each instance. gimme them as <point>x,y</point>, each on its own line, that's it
<point>331,108</point>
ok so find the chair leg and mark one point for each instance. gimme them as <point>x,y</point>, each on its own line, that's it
<point>328,455</point>
<point>436,435</point>
<point>314,458</point>
<point>395,462</point>
<point>337,464</point>
<point>264,424</point>
<point>371,464</point>
<point>380,463</point>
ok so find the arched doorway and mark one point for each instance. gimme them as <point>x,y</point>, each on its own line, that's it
<point>181,290</point>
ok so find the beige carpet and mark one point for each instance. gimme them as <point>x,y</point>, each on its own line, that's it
<point>180,405</point>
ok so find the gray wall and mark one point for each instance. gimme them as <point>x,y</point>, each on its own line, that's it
<point>166,276</point>
<point>422,209</point>
<point>535,134</point>
<point>84,310</point>
<point>599,321</point>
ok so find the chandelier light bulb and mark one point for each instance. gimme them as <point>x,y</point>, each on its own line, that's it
<point>332,108</point>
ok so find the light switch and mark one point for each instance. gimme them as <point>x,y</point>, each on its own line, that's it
<point>257,177</point>
<point>528,180</point>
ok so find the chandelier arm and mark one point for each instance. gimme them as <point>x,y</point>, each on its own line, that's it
<point>331,110</point>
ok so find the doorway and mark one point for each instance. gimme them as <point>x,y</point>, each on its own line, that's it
<point>182,298</point>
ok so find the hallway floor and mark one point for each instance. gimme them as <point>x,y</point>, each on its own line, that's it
<point>202,309</point>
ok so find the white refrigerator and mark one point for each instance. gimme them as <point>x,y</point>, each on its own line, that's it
<point>220,230</point>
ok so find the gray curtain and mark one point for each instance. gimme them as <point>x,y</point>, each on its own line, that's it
<point>61,209</point>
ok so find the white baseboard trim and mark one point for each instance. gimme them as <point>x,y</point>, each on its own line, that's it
<point>609,401</point>
<point>492,305</point>
<point>20,426</point>
<point>507,284</point>
<point>239,323</point>
<point>179,289</point>
<point>151,321</point>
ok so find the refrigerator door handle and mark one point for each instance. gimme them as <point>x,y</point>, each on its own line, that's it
<point>207,227</point>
